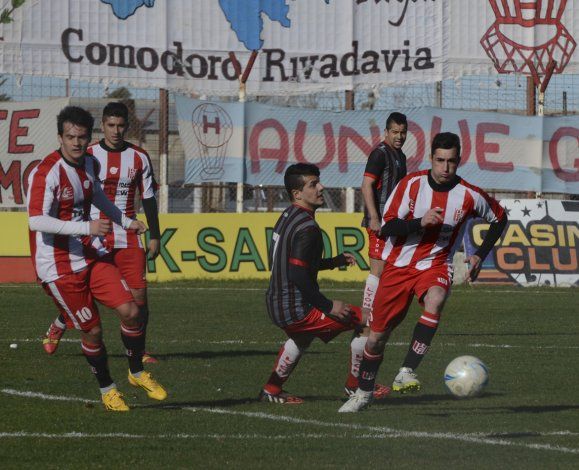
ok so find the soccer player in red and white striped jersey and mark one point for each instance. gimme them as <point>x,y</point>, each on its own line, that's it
<point>124,170</point>
<point>61,190</point>
<point>424,220</point>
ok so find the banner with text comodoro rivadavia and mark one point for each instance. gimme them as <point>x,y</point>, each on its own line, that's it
<point>254,143</point>
<point>304,45</point>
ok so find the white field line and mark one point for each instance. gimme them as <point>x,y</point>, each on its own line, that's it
<point>277,343</point>
<point>225,289</point>
<point>376,432</point>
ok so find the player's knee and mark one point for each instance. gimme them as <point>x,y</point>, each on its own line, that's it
<point>140,296</point>
<point>434,300</point>
<point>129,313</point>
<point>94,335</point>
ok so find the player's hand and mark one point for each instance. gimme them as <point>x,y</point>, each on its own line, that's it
<point>350,259</point>
<point>138,227</point>
<point>375,224</point>
<point>341,311</point>
<point>475,265</point>
<point>153,248</point>
<point>100,227</point>
<point>432,217</point>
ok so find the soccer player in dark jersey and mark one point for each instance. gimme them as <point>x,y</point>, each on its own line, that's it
<point>386,166</point>
<point>294,301</point>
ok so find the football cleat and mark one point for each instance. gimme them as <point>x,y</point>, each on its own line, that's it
<point>146,381</point>
<point>148,359</point>
<point>282,398</point>
<point>406,381</point>
<point>51,339</point>
<point>380,391</point>
<point>357,402</point>
<point>113,401</point>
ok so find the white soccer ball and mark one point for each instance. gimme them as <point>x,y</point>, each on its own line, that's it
<point>466,376</point>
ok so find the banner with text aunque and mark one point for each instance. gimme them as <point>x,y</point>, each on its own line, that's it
<point>304,45</point>
<point>27,134</point>
<point>254,143</point>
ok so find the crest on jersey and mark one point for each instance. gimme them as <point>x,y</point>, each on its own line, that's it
<point>458,215</point>
<point>86,184</point>
<point>114,170</point>
<point>132,173</point>
<point>411,204</point>
<point>66,194</point>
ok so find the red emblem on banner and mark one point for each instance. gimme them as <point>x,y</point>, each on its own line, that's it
<point>528,36</point>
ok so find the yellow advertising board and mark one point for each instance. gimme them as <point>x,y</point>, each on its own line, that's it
<point>220,246</point>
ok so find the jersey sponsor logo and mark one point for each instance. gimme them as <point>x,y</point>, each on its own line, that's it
<point>411,204</point>
<point>132,173</point>
<point>66,194</point>
<point>442,281</point>
<point>458,215</point>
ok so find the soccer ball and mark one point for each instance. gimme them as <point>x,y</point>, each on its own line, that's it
<point>466,376</point>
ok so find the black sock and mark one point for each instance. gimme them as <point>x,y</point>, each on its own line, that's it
<point>96,356</point>
<point>368,371</point>
<point>61,318</point>
<point>144,314</point>
<point>421,339</point>
<point>134,341</point>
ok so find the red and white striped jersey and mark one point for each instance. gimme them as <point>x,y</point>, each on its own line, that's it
<point>61,190</point>
<point>412,198</point>
<point>121,173</point>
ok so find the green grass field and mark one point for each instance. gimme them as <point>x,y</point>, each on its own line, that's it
<point>217,347</point>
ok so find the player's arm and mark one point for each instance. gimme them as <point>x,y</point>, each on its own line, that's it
<point>148,190</point>
<point>302,251</point>
<point>489,209</point>
<point>375,167</point>
<point>101,202</point>
<point>343,259</point>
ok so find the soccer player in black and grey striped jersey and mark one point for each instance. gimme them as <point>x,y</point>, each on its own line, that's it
<point>294,301</point>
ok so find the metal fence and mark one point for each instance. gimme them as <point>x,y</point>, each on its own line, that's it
<point>501,93</point>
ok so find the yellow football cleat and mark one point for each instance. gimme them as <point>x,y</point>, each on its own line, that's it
<point>149,384</point>
<point>113,401</point>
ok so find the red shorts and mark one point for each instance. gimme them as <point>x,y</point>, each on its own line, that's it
<point>75,293</point>
<point>375,245</point>
<point>397,288</point>
<point>131,263</point>
<point>321,326</point>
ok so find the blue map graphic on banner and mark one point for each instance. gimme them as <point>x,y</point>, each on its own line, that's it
<point>245,19</point>
<point>125,8</point>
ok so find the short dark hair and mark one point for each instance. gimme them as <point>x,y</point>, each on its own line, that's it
<point>446,140</point>
<point>75,115</point>
<point>116,109</point>
<point>396,118</point>
<point>294,176</point>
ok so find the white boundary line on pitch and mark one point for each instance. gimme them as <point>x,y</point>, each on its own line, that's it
<point>376,431</point>
<point>522,290</point>
<point>277,343</point>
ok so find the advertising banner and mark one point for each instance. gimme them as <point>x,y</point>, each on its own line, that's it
<point>539,247</point>
<point>27,134</point>
<point>304,46</point>
<point>499,151</point>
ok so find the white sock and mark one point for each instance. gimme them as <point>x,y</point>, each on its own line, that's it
<point>357,353</point>
<point>108,389</point>
<point>289,356</point>
<point>370,291</point>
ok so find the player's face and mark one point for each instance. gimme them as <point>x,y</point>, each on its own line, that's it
<point>395,136</point>
<point>114,129</point>
<point>73,141</point>
<point>444,165</point>
<point>311,196</point>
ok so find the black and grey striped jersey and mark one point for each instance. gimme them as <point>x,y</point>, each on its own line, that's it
<point>297,240</point>
<point>387,166</point>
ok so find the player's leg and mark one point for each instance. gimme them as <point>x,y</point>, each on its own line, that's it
<point>288,358</point>
<point>131,263</point>
<point>375,248</point>
<point>432,291</point>
<point>110,289</point>
<point>52,337</point>
<point>392,301</point>
<point>74,300</point>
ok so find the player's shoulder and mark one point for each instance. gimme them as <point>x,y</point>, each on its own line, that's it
<point>137,149</point>
<point>475,189</point>
<point>415,175</point>
<point>48,163</point>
